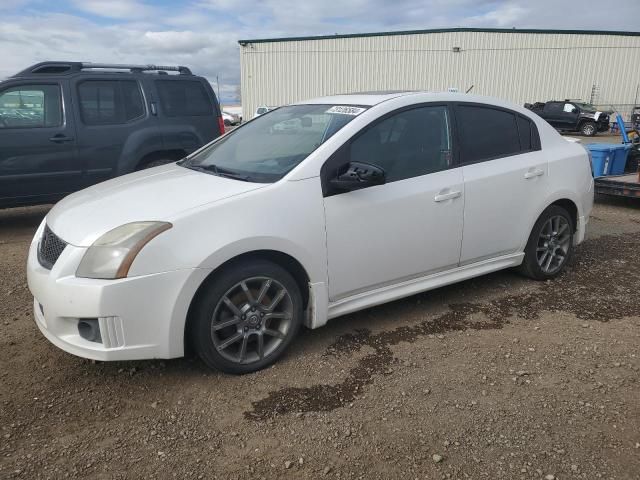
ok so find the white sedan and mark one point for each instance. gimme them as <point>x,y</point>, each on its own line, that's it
<point>307,213</point>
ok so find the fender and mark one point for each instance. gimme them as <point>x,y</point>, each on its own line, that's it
<point>315,316</point>
<point>138,144</point>
<point>155,139</point>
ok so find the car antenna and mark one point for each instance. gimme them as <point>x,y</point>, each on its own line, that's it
<point>469,89</point>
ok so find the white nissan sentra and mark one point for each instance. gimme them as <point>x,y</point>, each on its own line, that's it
<point>306,213</point>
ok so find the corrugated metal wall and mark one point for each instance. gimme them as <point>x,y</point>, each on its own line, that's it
<point>521,67</point>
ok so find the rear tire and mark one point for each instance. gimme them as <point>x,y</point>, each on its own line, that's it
<point>247,317</point>
<point>550,244</point>
<point>588,129</point>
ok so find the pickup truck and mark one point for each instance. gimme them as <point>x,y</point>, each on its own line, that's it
<point>572,116</point>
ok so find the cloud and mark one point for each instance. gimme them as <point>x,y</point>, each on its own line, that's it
<point>203,34</point>
<point>121,9</point>
<point>189,43</point>
<point>504,16</point>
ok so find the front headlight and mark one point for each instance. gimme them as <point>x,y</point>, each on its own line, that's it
<point>112,254</point>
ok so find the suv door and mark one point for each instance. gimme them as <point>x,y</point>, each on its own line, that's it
<point>37,143</point>
<point>411,225</point>
<point>110,111</point>
<point>505,180</point>
<point>554,115</point>
<point>570,114</point>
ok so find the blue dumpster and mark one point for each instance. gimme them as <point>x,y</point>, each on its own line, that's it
<point>608,158</point>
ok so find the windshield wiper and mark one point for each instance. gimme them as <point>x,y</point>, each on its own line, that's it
<point>221,172</point>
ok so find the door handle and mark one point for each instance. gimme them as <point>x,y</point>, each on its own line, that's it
<point>533,173</point>
<point>60,138</point>
<point>441,197</point>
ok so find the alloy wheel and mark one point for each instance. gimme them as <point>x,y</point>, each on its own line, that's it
<point>251,320</point>
<point>554,242</point>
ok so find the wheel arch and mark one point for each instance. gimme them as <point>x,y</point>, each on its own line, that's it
<point>570,206</point>
<point>284,260</point>
<point>562,199</point>
<point>172,155</point>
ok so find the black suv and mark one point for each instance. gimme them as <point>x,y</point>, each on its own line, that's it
<point>67,125</point>
<point>570,116</point>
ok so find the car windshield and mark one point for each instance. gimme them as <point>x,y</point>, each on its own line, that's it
<point>268,147</point>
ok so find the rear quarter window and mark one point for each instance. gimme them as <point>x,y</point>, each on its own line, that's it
<point>525,133</point>
<point>110,102</point>
<point>184,98</point>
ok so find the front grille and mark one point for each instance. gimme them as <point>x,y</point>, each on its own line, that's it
<point>50,248</point>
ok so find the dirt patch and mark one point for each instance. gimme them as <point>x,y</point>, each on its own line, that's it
<point>596,287</point>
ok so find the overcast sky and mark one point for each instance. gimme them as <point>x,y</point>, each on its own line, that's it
<point>203,34</point>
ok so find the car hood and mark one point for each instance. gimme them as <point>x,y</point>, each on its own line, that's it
<point>160,193</point>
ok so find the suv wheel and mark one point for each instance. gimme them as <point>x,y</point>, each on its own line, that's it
<point>247,317</point>
<point>550,244</point>
<point>588,129</point>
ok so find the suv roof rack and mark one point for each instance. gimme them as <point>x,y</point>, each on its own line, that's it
<point>66,68</point>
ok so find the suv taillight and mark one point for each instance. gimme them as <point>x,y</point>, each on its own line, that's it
<point>221,125</point>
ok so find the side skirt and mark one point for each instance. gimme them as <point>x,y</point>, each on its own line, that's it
<point>411,287</point>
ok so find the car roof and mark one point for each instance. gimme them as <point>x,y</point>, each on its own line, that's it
<point>359,98</point>
<point>370,99</point>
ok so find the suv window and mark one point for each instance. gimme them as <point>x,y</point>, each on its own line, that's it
<point>184,98</point>
<point>109,102</point>
<point>553,107</point>
<point>31,106</point>
<point>486,133</point>
<point>408,144</point>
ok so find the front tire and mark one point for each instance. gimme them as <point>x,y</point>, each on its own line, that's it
<point>550,244</point>
<point>246,317</point>
<point>588,129</point>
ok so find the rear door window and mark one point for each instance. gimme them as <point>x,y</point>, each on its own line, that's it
<point>31,106</point>
<point>110,102</point>
<point>184,98</point>
<point>486,133</point>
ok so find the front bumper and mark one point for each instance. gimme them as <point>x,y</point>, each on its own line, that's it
<point>139,317</point>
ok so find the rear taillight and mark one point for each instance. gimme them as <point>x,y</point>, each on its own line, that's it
<point>221,125</point>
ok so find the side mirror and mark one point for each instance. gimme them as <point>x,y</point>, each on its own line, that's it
<point>358,175</point>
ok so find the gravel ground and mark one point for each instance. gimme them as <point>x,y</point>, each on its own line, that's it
<point>497,377</point>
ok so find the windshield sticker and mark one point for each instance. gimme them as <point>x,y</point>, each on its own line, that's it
<point>346,110</point>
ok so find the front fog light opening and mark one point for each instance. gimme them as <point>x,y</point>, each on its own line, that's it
<point>89,329</point>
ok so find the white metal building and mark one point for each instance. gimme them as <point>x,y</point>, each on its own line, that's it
<point>517,65</point>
